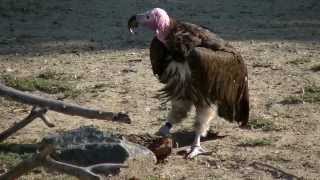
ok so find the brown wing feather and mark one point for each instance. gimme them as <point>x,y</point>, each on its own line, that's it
<point>221,77</point>
<point>185,36</point>
<point>158,57</point>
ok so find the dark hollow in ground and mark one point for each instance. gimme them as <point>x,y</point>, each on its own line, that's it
<point>90,154</point>
<point>87,146</point>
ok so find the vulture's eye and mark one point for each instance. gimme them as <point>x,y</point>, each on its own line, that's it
<point>148,17</point>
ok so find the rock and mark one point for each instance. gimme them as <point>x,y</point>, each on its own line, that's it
<point>87,146</point>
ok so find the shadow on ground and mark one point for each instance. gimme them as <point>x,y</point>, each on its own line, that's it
<point>19,148</point>
<point>63,26</point>
<point>185,138</point>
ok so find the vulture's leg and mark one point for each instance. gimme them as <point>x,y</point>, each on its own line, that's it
<point>179,111</point>
<point>204,114</point>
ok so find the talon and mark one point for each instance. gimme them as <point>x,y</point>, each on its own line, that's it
<point>194,151</point>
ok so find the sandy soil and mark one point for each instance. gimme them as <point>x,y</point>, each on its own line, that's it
<point>89,40</point>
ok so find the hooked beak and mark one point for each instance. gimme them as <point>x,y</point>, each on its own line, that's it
<point>132,24</point>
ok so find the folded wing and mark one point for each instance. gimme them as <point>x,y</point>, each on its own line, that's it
<point>221,77</point>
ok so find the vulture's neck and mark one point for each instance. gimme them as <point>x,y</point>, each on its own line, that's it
<point>163,32</point>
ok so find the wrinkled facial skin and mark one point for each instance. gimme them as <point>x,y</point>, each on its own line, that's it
<point>146,19</point>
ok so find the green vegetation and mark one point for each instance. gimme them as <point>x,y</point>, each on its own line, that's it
<point>47,82</point>
<point>52,75</point>
<point>277,158</point>
<point>100,87</point>
<point>262,123</point>
<point>255,142</point>
<point>46,176</point>
<point>12,159</point>
<point>299,61</point>
<point>153,178</point>
<point>315,68</point>
<point>292,100</point>
<point>312,94</point>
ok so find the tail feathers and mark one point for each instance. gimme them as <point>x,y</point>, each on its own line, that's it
<point>243,108</point>
<point>239,111</point>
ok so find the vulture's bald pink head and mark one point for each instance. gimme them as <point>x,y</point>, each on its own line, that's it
<point>155,19</point>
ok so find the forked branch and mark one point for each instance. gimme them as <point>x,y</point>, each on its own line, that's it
<point>35,113</point>
<point>60,106</point>
<point>29,164</point>
<point>44,159</point>
<point>89,172</point>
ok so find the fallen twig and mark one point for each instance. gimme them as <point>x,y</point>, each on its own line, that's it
<point>276,172</point>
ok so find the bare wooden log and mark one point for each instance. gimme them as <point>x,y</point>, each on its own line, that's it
<point>60,106</point>
<point>35,113</point>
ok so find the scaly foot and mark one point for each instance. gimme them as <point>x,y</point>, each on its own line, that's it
<point>194,151</point>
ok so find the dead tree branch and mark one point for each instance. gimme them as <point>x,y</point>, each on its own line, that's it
<point>43,158</point>
<point>35,113</point>
<point>89,172</point>
<point>70,169</point>
<point>46,121</point>
<point>60,106</point>
<point>27,165</point>
<point>276,172</point>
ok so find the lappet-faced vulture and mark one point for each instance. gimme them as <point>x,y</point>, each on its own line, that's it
<point>198,69</point>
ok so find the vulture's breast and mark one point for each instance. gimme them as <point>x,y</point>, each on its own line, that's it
<point>178,71</point>
<point>177,77</point>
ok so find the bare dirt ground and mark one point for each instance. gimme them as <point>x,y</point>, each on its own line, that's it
<point>86,44</point>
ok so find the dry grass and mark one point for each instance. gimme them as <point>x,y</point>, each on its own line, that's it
<point>299,61</point>
<point>292,100</point>
<point>255,142</point>
<point>263,124</point>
